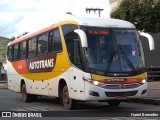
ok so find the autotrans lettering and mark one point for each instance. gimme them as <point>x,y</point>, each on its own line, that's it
<point>41,64</point>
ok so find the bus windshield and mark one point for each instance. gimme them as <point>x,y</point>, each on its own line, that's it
<point>114,50</point>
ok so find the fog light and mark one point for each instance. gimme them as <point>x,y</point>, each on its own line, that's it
<point>144,91</point>
<point>92,93</point>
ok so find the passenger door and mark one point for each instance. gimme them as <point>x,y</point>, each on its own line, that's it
<point>78,73</point>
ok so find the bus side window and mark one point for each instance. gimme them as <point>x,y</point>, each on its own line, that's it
<point>77,55</point>
<point>68,28</point>
<point>42,44</point>
<point>22,50</point>
<point>54,42</point>
<point>67,33</point>
<point>16,52</point>
<point>73,49</point>
<point>69,45</point>
<point>32,45</point>
<point>10,53</point>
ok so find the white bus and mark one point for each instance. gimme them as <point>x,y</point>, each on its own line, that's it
<point>79,59</point>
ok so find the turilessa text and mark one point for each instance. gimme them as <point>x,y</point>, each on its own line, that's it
<point>41,64</point>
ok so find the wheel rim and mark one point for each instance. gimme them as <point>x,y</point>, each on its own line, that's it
<point>66,99</point>
<point>68,103</point>
<point>24,93</point>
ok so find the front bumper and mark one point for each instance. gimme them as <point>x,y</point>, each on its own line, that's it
<point>93,92</point>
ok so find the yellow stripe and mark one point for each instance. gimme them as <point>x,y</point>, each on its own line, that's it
<point>99,77</point>
<point>67,22</point>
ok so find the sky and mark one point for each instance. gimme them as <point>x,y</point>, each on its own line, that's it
<point>19,16</point>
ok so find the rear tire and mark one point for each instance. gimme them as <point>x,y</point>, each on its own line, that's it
<point>68,103</point>
<point>25,96</point>
<point>114,102</point>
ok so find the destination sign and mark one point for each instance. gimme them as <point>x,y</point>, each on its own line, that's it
<point>98,32</point>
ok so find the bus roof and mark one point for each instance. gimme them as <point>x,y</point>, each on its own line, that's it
<point>106,22</point>
<point>86,21</point>
<point>99,22</point>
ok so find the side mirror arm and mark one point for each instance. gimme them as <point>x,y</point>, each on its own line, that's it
<point>83,37</point>
<point>150,40</point>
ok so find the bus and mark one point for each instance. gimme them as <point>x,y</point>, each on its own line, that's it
<point>79,59</point>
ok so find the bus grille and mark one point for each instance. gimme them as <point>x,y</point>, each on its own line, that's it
<point>114,94</point>
<point>121,86</point>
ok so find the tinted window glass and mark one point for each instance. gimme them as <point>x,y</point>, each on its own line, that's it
<point>16,52</point>
<point>32,45</point>
<point>54,41</point>
<point>10,53</point>
<point>73,49</point>
<point>22,50</point>
<point>68,28</point>
<point>42,44</point>
<point>77,58</point>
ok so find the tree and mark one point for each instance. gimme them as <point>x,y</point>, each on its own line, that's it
<point>144,14</point>
<point>13,38</point>
<point>22,34</point>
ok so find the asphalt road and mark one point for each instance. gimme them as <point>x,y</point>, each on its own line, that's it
<point>11,101</point>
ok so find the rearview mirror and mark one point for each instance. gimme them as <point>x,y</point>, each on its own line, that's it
<point>150,40</point>
<point>83,37</point>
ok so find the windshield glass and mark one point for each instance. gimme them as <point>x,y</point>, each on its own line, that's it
<point>114,50</point>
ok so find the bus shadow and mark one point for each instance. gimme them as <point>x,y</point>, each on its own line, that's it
<point>85,106</point>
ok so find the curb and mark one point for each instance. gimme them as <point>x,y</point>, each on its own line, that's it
<point>5,88</point>
<point>146,100</point>
<point>2,82</point>
<point>3,85</point>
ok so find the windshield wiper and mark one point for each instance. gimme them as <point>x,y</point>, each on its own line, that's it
<point>110,61</point>
<point>127,59</point>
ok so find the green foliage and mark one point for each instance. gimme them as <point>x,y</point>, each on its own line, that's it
<point>13,37</point>
<point>144,14</point>
<point>3,47</point>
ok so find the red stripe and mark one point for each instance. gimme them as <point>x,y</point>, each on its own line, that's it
<point>31,35</point>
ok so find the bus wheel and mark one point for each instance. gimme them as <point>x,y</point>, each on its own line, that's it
<point>25,96</point>
<point>67,102</point>
<point>114,102</point>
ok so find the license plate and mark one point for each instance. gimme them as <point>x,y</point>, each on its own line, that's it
<point>121,97</point>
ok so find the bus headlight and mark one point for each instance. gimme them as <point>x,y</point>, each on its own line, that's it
<point>94,82</point>
<point>98,83</point>
<point>143,81</point>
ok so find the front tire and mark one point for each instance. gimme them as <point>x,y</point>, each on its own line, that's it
<point>68,103</point>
